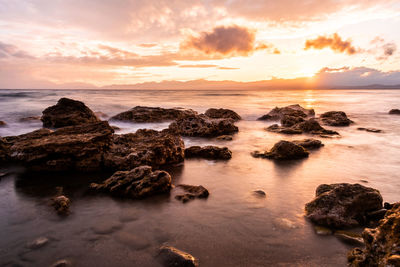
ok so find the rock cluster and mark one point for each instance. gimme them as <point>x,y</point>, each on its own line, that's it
<point>173,257</point>
<point>153,114</point>
<point>283,150</point>
<point>208,152</point>
<point>192,192</point>
<point>222,113</point>
<point>335,118</point>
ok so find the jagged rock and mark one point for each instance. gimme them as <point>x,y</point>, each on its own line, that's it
<point>309,143</point>
<point>153,114</point>
<point>372,130</point>
<point>260,193</point>
<point>2,124</point>
<point>335,118</point>
<point>394,111</point>
<point>29,119</point>
<point>343,205</point>
<point>203,126</point>
<point>292,110</point>
<point>208,152</point>
<point>310,126</point>
<point>173,257</point>
<point>382,244</point>
<point>193,192</point>
<point>283,150</point>
<point>225,137</point>
<point>61,204</point>
<point>222,113</point>
<point>145,147</point>
<point>67,112</point>
<point>139,182</point>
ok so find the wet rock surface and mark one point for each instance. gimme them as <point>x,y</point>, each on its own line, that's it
<point>173,257</point>
<point>335,118</point>
<point>203,126</point>
<point>291,110</point>
<point>343,205</point>
<point>309,143</point>
<point>153,114</point>
<point>394,111</point>
<point>192,192</point>
<point>222,113</point>
<point>208,152</point>
<point>310,126</point>
<point>283,150</point>
<point>67,112</point>
<point>137,183</point>
<point>382,244</point>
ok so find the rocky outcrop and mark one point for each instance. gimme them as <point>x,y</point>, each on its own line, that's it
<point>382,244</point>
<point>335,118</point>
<point>292,110</point>
<point>283,150</point>
<point>343,205</point>
<point>173,257</point>
<point>222,113</point>
<point>310,126</point>
<point>153,114</point>
<point>139,182</point>
<point>309,143</point>
<point>144,147</point>
<point>394,111</point>
<point>67,112</point>
<point>208,152</point>
<point>192,192</point>
<point>203,126</point>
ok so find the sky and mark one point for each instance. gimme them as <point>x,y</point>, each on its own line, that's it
<point>116,43</point>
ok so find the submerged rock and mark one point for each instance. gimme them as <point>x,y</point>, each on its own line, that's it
<point>283,150</point>
<point>173,257</point>
<point>382,244</point>
<point>153,114</point>
<point>193,192</point>
<point>335,118</point>
<point>372,130</point>
<point>222,113</point>
<point>310,126</point>
<point>139,182</point>
<point>208,152</point>
<point>61,204</point>
<point>203,126</point>
<point>67,112</point>
<point>394,111</point>
<point>309,143</point>
<point>291,110</point>
<point>2,124</point>
<point>225,137</point>
<point>343,205</point>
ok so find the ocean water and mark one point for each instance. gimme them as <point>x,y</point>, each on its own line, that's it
<point>233,227</point>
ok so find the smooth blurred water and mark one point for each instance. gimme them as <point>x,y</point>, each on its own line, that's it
<point>233,227</point>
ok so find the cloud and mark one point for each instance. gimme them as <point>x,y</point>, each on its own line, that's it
<point>389,49</point>
<point>333,42</point>
<point>198,66</point>
<point>383,50</point>
<point>9,50</point>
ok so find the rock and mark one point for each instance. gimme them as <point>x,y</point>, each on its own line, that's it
<point>225,137</point>
<point>376,215</point>
<point>335,118</point>
<point>2,124</point>
<point>372,130</point>
<point>203,126</point>
<point>153,114</point>
<point>67,112</point>
<point>139,182</point>
<point>208,152</point>
<point>292,110</point>
<point>222,113</point>
<point>382,244</point>
<point>29,119</point>
<point>144,147</point>
<point>284,130</point>
<point>310,126</point>
<point>283,150</point>
<point>260,193</point>
<point>193,192</point>
<point>61,204</point>
<point>309,143</point>
<point>38,243</point>
<point>319,230</point>
<point>62,263</point>
<point>4,150</point>
<point>289,121</point>
<point>79,147</point>
<point>173,257</point>
<point>394,111</point>
<point>343,205</point>
<point>350,238</point>
<point>101,115</point>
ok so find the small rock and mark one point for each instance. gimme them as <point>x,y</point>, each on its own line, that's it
<point>283,150</point>
<point>364,181</point>
<point>62,263</point>
<point>260,193</point>
<point>192,192</point>
<point>38,243</point>
<point>222,113</point>
<point>173,257</point>
<point>225,137</point>
<point>208,152</point>
<point>292,110</point>
<point>319,230</point>
<point>30,118</point>
<point>61,204</point>
<point>394,111</point>
<point>372,130</point>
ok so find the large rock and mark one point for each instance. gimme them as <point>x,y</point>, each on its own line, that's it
<point>145,147</point>
<point>309,143</point>
<point>382,244</point>
<point>139,182</point>
<point>78,147</point>
<point>222,113</point>
<point>335,118</point>
<point>343,205</point>
<point>203,126</point>
<point>173,257</point>
<point>283,150</point>
<point>394,111</point>
<point>153,114</point>
<point>67,112</point>
<point>310,126</point>
<point>208,152</point>
<point>292,110</point>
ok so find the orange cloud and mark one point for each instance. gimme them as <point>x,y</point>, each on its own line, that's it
<point>333,42</point>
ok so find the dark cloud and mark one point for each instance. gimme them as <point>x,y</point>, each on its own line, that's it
<point>333,42</point>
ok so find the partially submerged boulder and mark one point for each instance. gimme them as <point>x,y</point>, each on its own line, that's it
<point>335,118</point>
<point>173,257</point>
<point>382,244</point>
<point>222,113</point>
<point>394,111</point>
<point>139,182</point>
<point>310,126</point>
<point>343,205</point>
<point>208,152</point>
<point>283,150</point>
<point>153,114</point>
<point>203,126</point>
<point>67,112</point>
<point>291,110</point>
<point>309,143</point>
<point>192,192</point>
